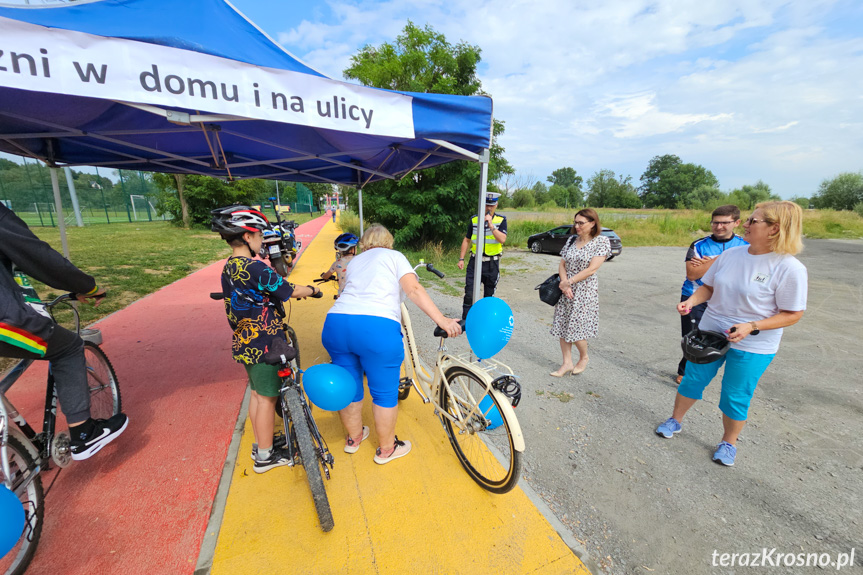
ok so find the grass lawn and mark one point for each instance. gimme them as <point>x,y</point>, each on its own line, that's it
<point>133,260</point>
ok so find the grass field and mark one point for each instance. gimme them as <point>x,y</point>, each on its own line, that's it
<point>133,260</point>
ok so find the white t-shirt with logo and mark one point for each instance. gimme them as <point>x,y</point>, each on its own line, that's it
<point>372,284</point>
<point>751,288</point>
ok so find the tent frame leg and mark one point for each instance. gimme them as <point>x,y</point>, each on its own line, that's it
<point>480,232</point>
<point>58,202</point>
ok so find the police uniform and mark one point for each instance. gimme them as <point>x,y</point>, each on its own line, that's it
<point>493,249</point>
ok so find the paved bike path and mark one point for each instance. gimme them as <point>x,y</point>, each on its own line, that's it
<point>419,514</point>
<point>142,504</point>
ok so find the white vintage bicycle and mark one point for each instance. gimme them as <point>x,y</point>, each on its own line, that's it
<point>474,400</point>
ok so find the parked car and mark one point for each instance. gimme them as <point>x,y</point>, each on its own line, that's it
<point>552,241</point>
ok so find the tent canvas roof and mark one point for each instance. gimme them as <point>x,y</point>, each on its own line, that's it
<point>48,111</point>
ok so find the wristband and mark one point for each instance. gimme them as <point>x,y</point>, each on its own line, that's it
<point>461,259</point>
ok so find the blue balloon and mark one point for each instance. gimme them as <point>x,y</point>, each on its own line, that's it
<point>494,417</point>
<point>12,525</point>
<point>329,386</point>
<point>489,326</point>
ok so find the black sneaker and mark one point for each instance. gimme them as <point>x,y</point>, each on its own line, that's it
<point>277,458</point>
<point>104,432</point>
<point>279,442</point>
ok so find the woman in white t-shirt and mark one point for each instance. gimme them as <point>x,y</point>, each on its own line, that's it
<point>362,333</point>
<point>754,292</point>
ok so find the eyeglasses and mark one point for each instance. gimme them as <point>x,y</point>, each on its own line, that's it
<point>577,223</point>
<point>715,223</point>
<point>750,220</point>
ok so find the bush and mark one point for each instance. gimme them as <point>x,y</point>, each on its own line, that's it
<point>859,209</point>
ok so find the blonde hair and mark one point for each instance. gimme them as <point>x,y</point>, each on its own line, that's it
<point>789,217</point>
<point>377,236</point>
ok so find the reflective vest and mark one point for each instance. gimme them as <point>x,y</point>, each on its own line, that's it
<point>492,246</point>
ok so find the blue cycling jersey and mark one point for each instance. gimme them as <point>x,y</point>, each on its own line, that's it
<point>708,246</point>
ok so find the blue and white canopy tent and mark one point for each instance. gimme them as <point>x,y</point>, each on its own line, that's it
<point>194,87</point>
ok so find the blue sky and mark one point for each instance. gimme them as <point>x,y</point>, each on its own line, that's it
<point>751,89</point>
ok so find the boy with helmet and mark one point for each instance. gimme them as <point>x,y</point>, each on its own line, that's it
<point>252,293</point>
<point>346,249</point>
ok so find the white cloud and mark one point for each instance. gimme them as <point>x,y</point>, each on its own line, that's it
<point>741,86</point>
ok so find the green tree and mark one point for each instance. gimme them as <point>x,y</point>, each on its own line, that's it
<point>667,181</point>
<point>840,193</point>
<point>202,194</point>
<point>747,196</point>
<point>432,204</point>
<point>607,190</point>
<point>523,198</point>
<point>802,202</point>
<point>705,198</point>
<point>565,177</point>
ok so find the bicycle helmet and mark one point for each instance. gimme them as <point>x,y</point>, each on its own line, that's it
<point>232,221</point>
<point>345,242</point>
<point>702,346</point>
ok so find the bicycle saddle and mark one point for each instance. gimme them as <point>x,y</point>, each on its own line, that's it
<point>279,353</point>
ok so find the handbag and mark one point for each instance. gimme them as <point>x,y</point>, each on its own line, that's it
<point>549,290</point>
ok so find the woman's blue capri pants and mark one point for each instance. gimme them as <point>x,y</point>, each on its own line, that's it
<point>743,369</point>
<point>370,344</point>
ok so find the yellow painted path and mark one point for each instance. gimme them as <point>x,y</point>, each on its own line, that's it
<point>420,514</point>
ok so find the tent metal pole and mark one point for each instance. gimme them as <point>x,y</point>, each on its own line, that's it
<point>360,202</point>
<point>55,183</point>
<point>75,207</point>
<point>480,230</point>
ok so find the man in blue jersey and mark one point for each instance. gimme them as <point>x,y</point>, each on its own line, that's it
<point>701,255</point>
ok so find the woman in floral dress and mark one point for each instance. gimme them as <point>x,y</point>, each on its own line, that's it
<point>576,315</point>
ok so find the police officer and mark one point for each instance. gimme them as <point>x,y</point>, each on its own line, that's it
<point>495,236</point>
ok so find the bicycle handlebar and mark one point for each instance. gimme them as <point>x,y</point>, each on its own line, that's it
<point>71,295</point>
<point>431,268</point>
<point>217,295</point>
<point>438,332</point>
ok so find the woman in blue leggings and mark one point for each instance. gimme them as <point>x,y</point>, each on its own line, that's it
<point>754,291</point>
<point>362,333</point>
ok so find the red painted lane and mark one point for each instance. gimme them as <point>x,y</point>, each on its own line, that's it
<point>141,505</point>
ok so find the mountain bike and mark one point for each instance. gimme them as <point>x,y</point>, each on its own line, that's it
<point>25,454</point>
<point>474,401</point>
<point>304,443</point>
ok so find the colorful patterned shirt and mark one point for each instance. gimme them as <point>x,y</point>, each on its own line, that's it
<point>254,290</point>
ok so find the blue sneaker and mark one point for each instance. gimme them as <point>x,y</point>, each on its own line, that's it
<point>669,428</point>
<point>725,453</point>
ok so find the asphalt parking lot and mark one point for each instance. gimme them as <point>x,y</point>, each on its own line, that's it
<point>639,503</point>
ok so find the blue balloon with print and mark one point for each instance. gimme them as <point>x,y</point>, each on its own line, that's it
<point>495,419</point>
<point>489,326</point>
<point>329,386</point>
<point>12,524</point>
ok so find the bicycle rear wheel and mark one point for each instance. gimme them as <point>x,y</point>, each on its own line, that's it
<point>483,443</point>
<point>21,466</point>
<point>105,398</point>
<point>310,457</point>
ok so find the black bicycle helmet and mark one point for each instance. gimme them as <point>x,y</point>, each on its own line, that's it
<point>233,221</point>
<point>702,346</point>
<point>345,242</point>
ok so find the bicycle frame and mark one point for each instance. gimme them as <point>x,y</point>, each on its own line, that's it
<point>427,382</point>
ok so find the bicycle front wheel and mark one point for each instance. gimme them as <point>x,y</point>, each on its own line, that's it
<point>483,441</point>
<point>21,467</point>
<point>310,457</point>
<point>105,398</point>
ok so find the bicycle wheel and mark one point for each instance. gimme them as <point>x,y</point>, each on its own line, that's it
<point>485,451</point>
<point>21,465</point>
<point>105,398</point>
<point>310,458</point>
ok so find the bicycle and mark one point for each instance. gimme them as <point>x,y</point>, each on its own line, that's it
<point>25,454</point>
<point>304,442</point>
<point>280,244</point>
<point>474,401</point>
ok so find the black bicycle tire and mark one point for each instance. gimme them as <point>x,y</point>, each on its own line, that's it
<point>25,555</point>
<point>510,480</point>
<point>310,458</point>
<point>115,383</point>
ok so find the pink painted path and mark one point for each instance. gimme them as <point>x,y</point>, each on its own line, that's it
<point>141,505</point>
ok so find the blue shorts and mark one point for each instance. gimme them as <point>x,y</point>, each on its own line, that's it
<point>743,369</point>
<point>370,344</point>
